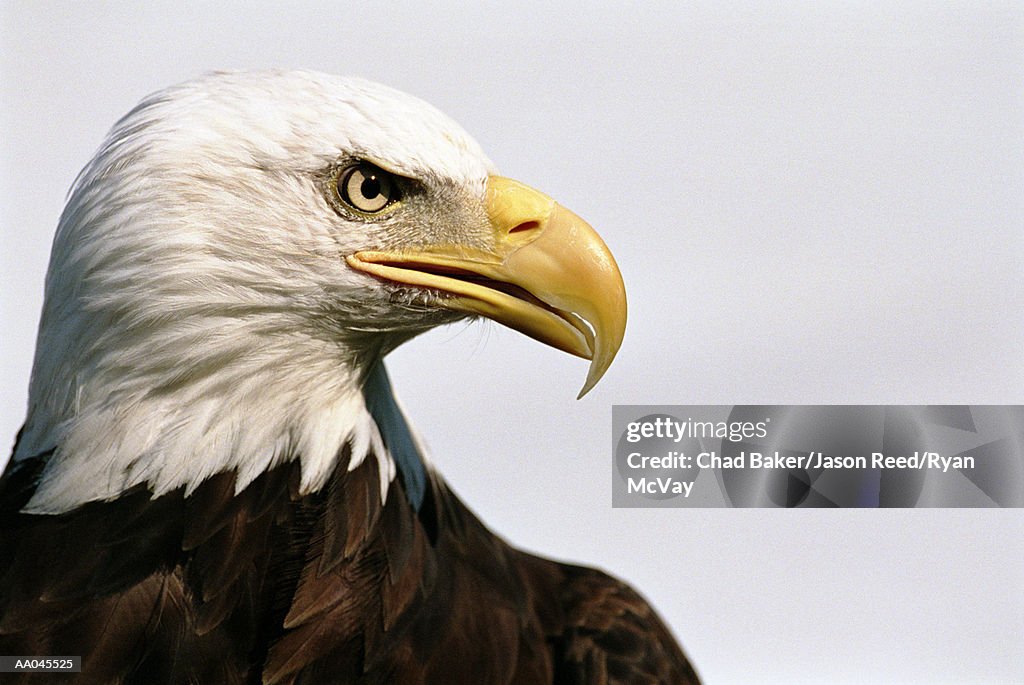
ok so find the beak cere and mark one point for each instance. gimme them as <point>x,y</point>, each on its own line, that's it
<point>548,275</point>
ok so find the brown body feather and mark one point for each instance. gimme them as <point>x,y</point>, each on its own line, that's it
<point>335,587</point>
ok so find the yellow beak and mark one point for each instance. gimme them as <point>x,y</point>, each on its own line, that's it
<point>547,274</point>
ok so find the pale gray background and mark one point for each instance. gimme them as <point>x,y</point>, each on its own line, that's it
<point>810,204</point>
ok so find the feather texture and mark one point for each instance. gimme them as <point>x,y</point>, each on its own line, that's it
<point>260,587</point>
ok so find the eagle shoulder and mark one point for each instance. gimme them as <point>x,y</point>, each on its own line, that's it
<point>599,630</point>
<point>273,585</point>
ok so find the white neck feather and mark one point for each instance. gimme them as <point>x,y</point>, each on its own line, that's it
<point>246,416</point>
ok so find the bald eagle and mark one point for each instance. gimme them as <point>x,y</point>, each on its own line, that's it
<point>214,482</point>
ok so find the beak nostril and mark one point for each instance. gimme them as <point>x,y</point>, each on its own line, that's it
<point>525,227</point>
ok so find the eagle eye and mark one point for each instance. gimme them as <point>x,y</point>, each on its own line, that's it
<point>367,188</point>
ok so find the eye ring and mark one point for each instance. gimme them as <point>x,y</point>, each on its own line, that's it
<point>367,188</point>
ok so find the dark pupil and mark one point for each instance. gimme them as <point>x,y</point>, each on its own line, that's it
<point>370,187</point>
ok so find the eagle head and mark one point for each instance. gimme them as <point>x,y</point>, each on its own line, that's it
<point>244,248</point>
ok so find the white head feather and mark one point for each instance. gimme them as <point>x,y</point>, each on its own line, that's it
<point>199,315</point>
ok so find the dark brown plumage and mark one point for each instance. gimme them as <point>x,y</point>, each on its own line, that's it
<point>333,587</point>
